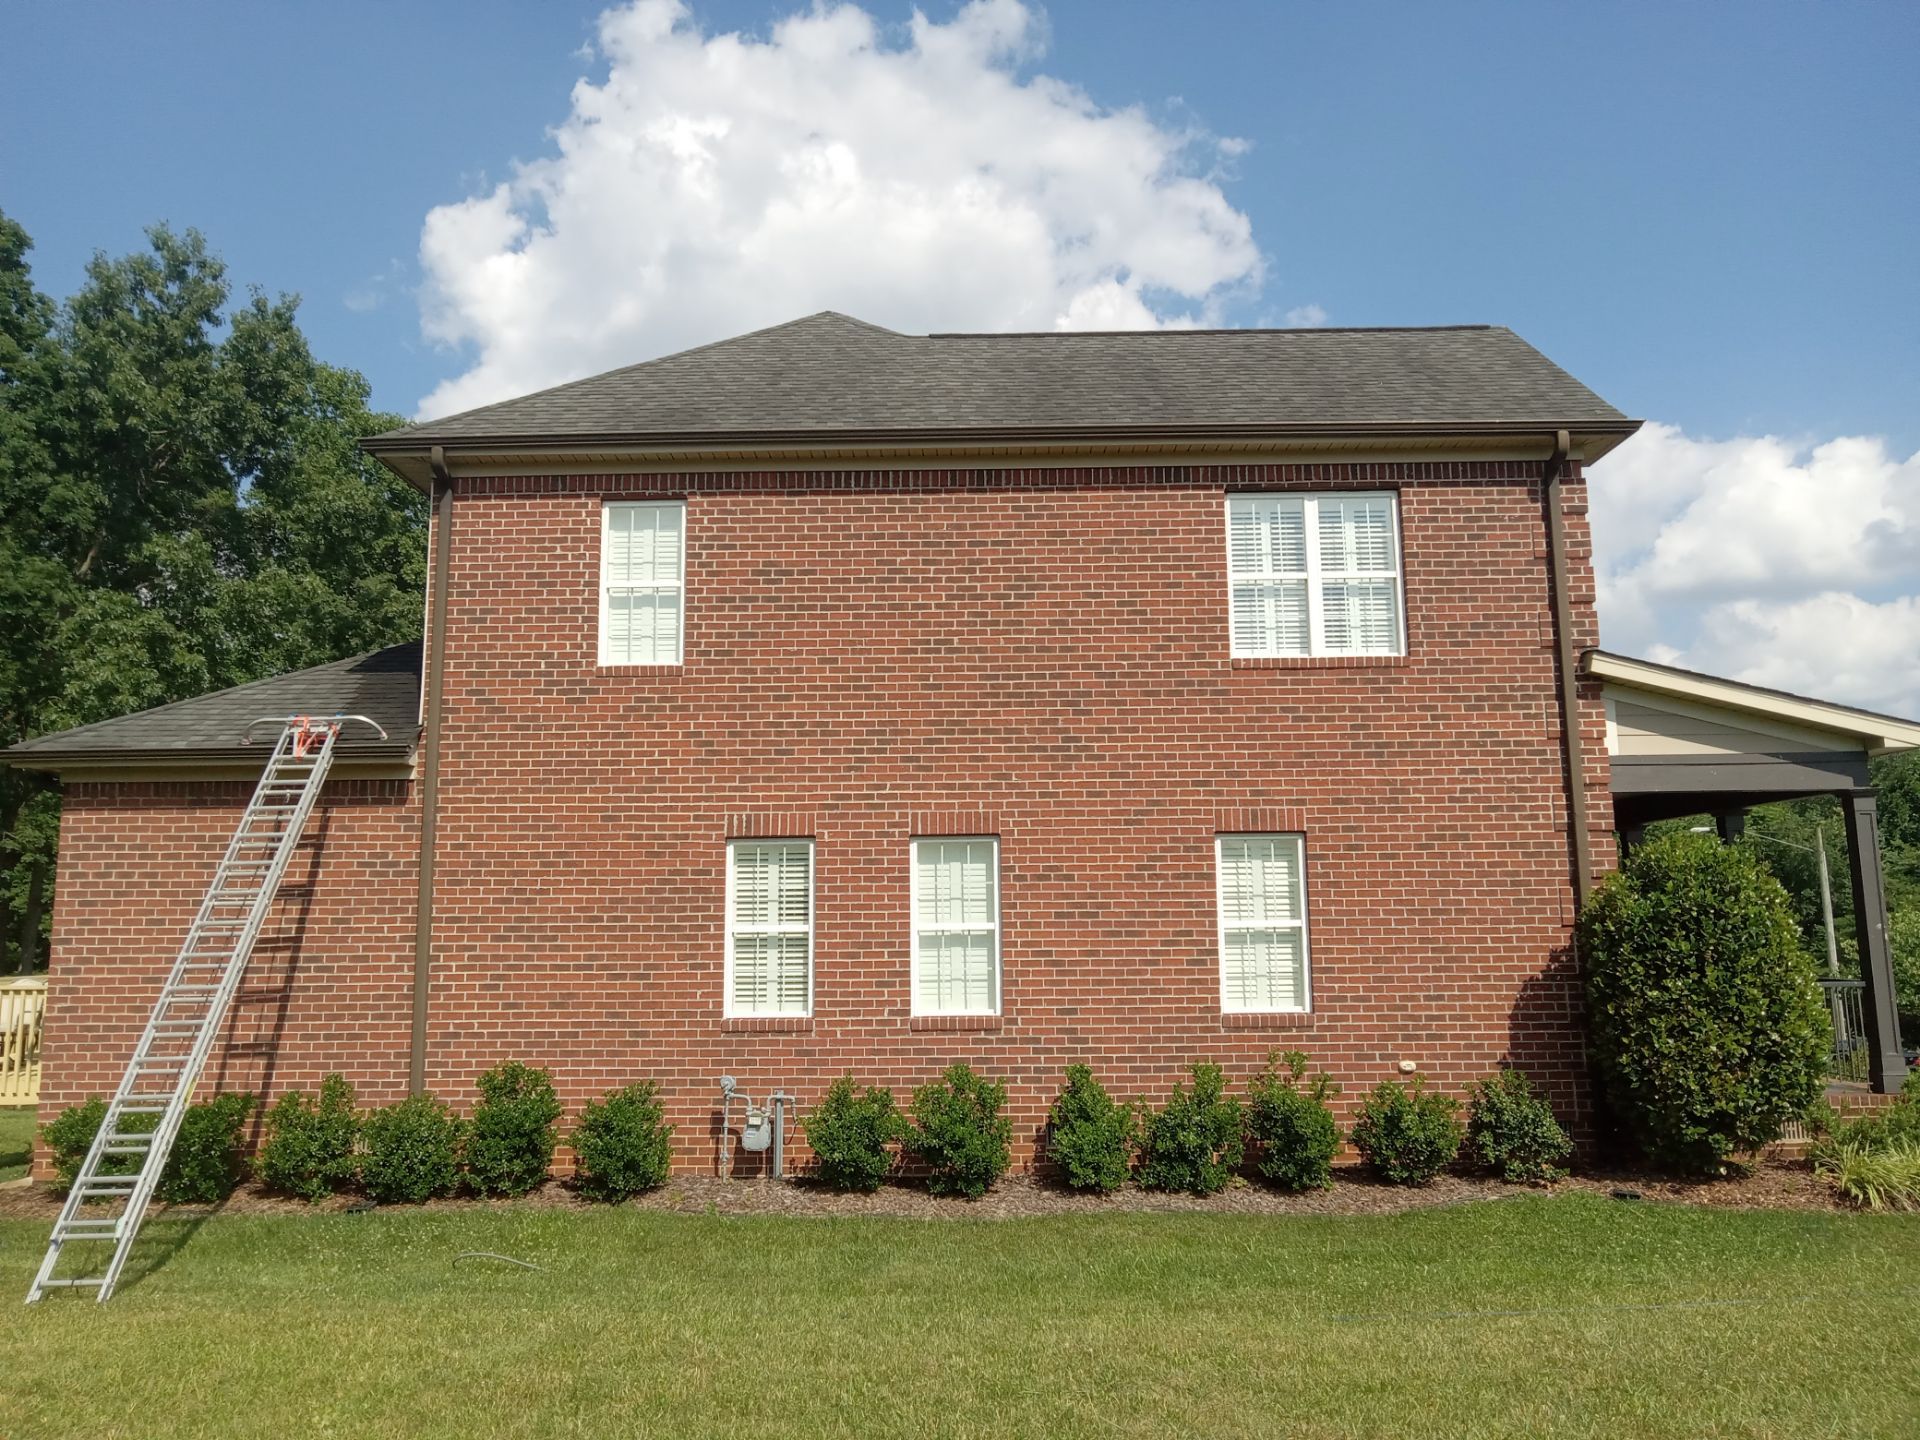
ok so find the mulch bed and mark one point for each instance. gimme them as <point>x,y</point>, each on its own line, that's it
<point>1773,1184</point>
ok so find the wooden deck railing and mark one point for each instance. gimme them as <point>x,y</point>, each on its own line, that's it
<point>22,1004</point>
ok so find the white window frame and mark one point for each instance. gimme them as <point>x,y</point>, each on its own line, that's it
<point>607,508</point>
<point>993,929</point>
<point>726,995</point>
<point>1316,581</point>
<point>1299,842</point>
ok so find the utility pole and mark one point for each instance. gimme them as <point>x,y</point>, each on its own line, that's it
<point>1826,899</point>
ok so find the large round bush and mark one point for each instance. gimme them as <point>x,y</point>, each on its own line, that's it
<point>1708,1029</point>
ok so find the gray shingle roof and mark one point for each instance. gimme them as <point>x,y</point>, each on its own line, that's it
<point>830,373</point>
<point>383,685</point>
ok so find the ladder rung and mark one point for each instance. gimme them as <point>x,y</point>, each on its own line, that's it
<point>107,1184</point>
<point>75,1283</point>
<point>95,1229</point>
<point>136,1104</point>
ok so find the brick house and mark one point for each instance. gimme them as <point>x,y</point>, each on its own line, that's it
<point>832,699</point>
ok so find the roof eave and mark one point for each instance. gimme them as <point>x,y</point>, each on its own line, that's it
<point>407,454</point>
<point>241,757</point>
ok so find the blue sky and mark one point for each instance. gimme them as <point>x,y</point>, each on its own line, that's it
<point>1709,213</point>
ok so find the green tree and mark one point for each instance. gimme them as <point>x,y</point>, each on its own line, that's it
<point>182,507</point>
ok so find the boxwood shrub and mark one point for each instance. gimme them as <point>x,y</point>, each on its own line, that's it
<point>1513,1131</point>
<point>623,1144</point>
<point>1292,1125</point>
<point>412,1152</point>
<point>206,1161</point>
<point>1196,1143</point>
<point>308,1149</point>
<point>1708,1028</point>
<point>202,1168</point>
<point>849,1132</point>
<point>959,1134</point>
<point>70,1134</point>
<point>1406,1134</point>
<point>510,1139</point>
<point>1090,1135</point>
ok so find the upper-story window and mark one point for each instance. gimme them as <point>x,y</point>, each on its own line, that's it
<point>642,582</point>
<point>1315,575</point>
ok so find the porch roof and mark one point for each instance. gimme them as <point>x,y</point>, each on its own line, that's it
<point>1683,743</point>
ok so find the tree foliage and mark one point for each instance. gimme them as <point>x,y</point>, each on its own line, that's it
<point>182,507</point>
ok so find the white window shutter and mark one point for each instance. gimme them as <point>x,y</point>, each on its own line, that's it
<point>956,925</point>
<point>1263,930</point>
<point>642,568</point>
<point>770,927</point>
<point>1267,563</point>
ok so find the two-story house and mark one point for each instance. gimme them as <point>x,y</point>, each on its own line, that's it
<point>830,699</point>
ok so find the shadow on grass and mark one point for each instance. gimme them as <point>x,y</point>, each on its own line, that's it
<point>161,1238</point>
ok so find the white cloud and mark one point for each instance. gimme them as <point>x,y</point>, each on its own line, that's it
<point>1788,564</point>
<point>1306,317</point>
<point>711,184</point>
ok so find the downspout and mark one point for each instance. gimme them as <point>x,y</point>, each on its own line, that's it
<point>431,673</point>
<point>1581,846</point>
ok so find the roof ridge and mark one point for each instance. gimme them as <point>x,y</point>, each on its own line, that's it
<point>1169,331</point>
<point>209,695</point>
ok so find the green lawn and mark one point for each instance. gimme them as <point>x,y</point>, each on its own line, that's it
<point>1572,1315</point>
<point>16,1141</point>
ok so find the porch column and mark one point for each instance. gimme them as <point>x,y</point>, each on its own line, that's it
<point>1731,824</point>
<point>1631,836</point>
<point>1886,1066</point>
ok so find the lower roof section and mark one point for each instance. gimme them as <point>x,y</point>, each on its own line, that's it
<point>210,730</point>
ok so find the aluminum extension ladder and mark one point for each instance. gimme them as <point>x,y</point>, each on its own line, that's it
<point>124,1163</point>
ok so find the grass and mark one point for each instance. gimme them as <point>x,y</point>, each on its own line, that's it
<point>16,1140</point>
<point>1539,1316</point>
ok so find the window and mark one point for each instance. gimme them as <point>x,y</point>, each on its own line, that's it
<point>956,927</point>
<point>1314,575</point>
<point>1263,922</point>
<point>642,565</point>
<point>769,927</point>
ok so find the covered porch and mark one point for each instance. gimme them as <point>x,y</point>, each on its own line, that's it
<point>1681,743</point>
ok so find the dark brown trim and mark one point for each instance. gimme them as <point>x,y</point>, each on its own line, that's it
<point>253,758</point>
<point>1782,776</point>
<point>432,684</point>
<point>1580,842</point>
<point>962,436</point>
<point>1886,1064</point>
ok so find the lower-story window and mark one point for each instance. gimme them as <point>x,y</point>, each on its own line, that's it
<point>769,927</point>
<point>1263,922</point>
<point>956,927</point>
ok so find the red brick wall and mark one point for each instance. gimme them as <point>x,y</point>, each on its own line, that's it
<point>330,984</point>
<point>1042,655</point>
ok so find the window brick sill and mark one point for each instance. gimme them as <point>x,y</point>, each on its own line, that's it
<point>1275,1020</point>
<point>954,1022</point>
<point>1319,662</point>
<point>767,1024</point>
